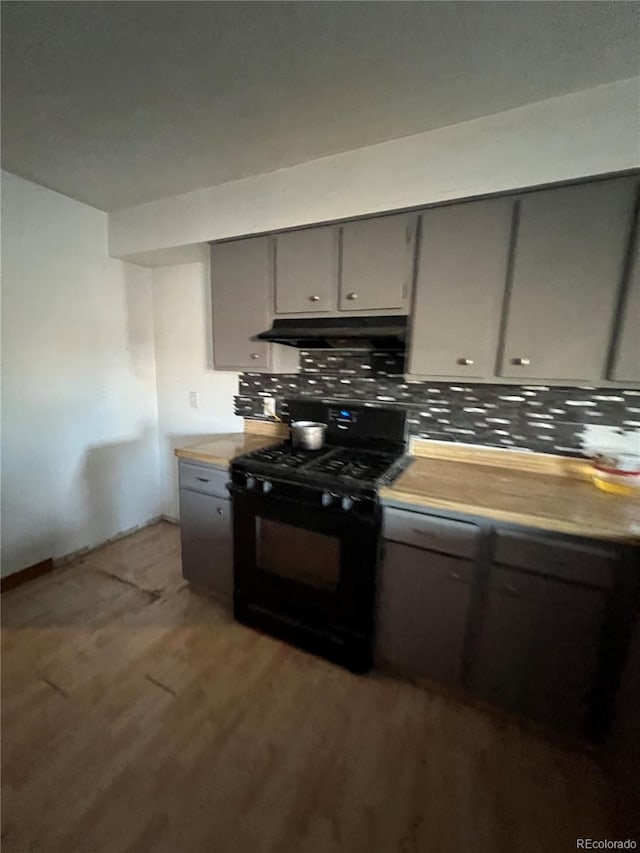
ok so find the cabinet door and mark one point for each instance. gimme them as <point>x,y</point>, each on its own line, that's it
<point>377,263</point>
<point>626,365</point>
<point>462,272</point>
<point>568,265</point>
<point>207,542</point>
<point>423,600</point>
<point>241,289</point>
<point>537,649</point>
<point>306,270</point>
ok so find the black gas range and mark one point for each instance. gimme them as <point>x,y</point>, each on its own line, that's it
<point>307,530</point>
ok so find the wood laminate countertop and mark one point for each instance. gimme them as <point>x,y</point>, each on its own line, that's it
<point>223,448</point>
<point>538,490</point>
<point>550,501</point>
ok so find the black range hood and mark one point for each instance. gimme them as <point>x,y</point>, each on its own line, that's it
<point>371,333</point>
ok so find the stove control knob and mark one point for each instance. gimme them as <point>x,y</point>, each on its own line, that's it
<point>327,498</point>
<point>347,503</point>
<point>266,487</point>
<point>250,482</point>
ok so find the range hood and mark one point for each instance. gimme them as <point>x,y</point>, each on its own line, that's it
<point>371,333</point>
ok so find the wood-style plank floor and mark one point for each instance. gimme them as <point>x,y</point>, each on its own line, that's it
<point>137,716</point>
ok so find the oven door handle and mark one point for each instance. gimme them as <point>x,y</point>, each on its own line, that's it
<point>238,491</point>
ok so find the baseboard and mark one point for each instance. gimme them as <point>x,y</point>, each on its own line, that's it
<point>28,574</point>
<point>170,519</point>
<point>48,565</point>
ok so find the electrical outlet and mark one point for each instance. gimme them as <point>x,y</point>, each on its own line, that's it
<point>194,399</point>
<point>269,406</point>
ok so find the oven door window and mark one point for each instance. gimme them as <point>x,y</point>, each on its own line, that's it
<point>301,555</point>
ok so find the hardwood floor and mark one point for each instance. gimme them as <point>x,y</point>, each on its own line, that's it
<point>137,716</point>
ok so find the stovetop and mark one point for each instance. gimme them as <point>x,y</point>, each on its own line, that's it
<point>331,467</point>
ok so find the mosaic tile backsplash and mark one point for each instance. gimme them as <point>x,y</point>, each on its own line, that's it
<point>566,421</point>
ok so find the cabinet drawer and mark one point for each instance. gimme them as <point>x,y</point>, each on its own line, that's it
<point>200,478</point>
<point>567,561</point>
<point>431,532</point>
<point>542,590</point>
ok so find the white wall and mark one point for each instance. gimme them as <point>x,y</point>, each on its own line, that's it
<point>79,431</point>
<point>585,133</point>
<point>182,320</point>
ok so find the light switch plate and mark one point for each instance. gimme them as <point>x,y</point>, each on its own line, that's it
<point>194,399</point>
<point>269,406</point>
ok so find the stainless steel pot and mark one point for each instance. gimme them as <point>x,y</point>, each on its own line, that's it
<point>308,435</point>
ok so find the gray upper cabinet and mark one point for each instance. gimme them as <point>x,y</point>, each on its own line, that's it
<point>241,289</point>
<point>306,270</point>
<point>462,272</point>
<point>569,260</point>
<point>626,364</point>
<point>377,263</point>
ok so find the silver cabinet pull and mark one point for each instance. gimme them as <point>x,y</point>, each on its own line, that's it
<point>520,362</point>
<point>352,296</point>
<point>255,355</point>
<point>220,511</point>
<point>511,589</point>
<point>202,479</point>
<point>454,576</point>
<point>421,532</point>
<point>314,298</point>
<point>464,361</point>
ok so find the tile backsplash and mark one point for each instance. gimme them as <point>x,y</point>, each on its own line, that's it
<point>566,421</point>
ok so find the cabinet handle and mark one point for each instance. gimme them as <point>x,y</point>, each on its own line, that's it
<point>352,296</point>
<point>220,511</point>
<point>511,589</point>
<point>314,299</point>
<point>454,576</point>
<point>427,536</point>
<point>255,355</point>
<point>464,361</point>
<point>202,479</point>
<point>520,362</point>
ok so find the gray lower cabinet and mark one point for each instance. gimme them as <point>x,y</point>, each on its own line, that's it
<point>423,603</point>
<point>538,647</point>
<point>460,285</point>
<point>569,261</point>
<point>536,623</point>
<point>207,542</point>
<point>306,270</point>
<point>377,263</point>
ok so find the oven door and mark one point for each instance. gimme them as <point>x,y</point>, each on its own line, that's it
<point>307,573</point>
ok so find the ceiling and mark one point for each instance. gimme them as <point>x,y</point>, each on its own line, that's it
<point>118,103</point>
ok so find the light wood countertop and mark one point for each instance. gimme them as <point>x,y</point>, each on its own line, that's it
<point>564,503</point>
<point>221,449</point>
<point>538,490</point>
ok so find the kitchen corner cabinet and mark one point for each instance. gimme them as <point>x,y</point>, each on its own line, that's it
<point>568,264</point>
<point>377,259</point>
<point>206,532</point>
<point>241,288</point>
<point>460,285</point>
<point>626,363</point>
<point>306,270</point>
